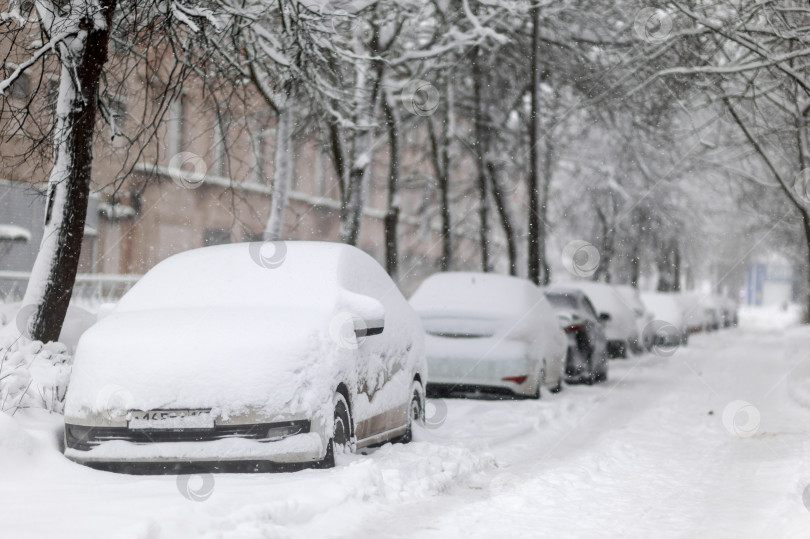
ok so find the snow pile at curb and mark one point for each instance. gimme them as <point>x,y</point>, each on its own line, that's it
<point>14,440</point>
<point>32,374</point>
<point>797,351</point>
<point>419,470</point>
<point>319,503</point>
<point>770,318</point>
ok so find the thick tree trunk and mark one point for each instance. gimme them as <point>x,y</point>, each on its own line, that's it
<point>606,251</point>
<point>635,265</point>
<point>352,210</point>
<point>338,157</point>
<point>534,173</point>
<point>666,267</point>
<point>806,225</point>
<point>481,144</point>
<point>367,97</point>
<point>282,176</point>
<point>440,156</point>
<point>54,273</point>
<point>501,204</point>
<point>445,264</point>
<point>483,215</point>
<point>542,213</point>
<point>676,267</point>
<point>392,214</point>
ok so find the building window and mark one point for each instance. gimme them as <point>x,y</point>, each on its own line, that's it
<point>118,110</point>
<point>216,236</point>
<point>21,87</point>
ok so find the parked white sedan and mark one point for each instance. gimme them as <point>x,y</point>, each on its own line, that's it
<point>643,317</point>
<point>671,329</point>
<point>259,356</point>
<point>488,332</point>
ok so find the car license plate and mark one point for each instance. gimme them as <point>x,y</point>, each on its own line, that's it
<point>171,419</point>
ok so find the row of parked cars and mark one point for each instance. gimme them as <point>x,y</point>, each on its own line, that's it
<point>277,355</point>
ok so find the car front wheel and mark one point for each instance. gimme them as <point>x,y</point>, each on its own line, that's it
<point>416,412</point>
<point>341,440</point>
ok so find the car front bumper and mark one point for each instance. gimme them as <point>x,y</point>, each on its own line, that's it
<point>223,448</point>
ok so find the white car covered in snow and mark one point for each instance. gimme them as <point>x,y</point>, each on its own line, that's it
<point>644,317</point>
<point>698,311</point>
<point>669,328</point>
<point>488,332</point>
<point>621,329</point>
<point>259,356</point>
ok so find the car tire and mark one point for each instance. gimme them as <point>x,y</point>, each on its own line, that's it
<point>416,412</point>
<point>341,440</point>
<point>558,387</point>
<point>602,374</point>
<point>591,376</point>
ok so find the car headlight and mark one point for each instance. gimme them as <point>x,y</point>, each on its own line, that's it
<point>79,437</point>
<point>279,431</point>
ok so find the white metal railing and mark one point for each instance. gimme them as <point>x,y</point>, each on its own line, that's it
<point>90,289</point>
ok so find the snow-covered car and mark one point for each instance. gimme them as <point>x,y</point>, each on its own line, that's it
<point>252,356</point>
<point>488,332</point>
<point>728,309</point>
<point>586,360</point>
<point>698,311</point>
<point>671,329</point>
<point>644,317</point>
<point>620,327</point>
<point>714,311</point>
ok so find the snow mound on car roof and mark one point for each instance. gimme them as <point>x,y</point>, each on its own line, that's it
<point>245,274</point>
<point>603,296</point>
<point>482,294</point>
<point>663,307</point>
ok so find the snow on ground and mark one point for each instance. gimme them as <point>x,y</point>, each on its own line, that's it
<point>713,441</point>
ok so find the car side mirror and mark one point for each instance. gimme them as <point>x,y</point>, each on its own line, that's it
<point>366,313</point>
<point>367,328</point>
<point>604,317</point>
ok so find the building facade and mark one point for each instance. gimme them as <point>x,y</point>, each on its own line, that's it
<point>142,210</point>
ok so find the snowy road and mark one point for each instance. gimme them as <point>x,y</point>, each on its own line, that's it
<point>657,451</point>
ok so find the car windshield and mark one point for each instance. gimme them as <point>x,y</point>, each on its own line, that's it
<point>564,301</point>
<point>456,327</point>
<point>470,295</point>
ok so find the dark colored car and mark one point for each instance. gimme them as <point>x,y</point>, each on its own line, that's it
<point>587,346</point>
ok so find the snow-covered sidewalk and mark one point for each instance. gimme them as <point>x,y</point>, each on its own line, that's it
<point>711,442</point>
